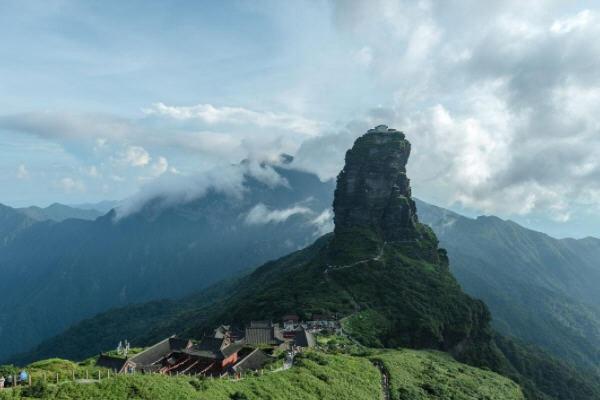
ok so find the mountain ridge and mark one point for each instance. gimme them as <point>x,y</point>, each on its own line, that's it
<point>563,341</point>
<point>58,273</point>
<point>529,296</point>
<point>394,288</point>
<point>59,212</point>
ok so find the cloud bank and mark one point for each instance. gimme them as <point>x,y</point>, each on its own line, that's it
<point>260,214</point>
<point>498,99</point>
<point>173,189</point>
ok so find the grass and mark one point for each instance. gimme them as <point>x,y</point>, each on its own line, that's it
<point>415,375</point>
<point>369,325</point>
<point>315,376</point>
<point>425,375</point>
<point>47,370</point>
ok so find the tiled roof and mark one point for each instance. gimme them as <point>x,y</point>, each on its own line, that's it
<point>214,354</point>
<point>252,361</point>
<point>211,344</point>
<point>261,324</point>
<point>263,335</point>
<point>221,331</point>
<point>159,350</point>
<point>112,363</point>
<point>231,349</point>
<point>304,338</point>
<point>178,343</point>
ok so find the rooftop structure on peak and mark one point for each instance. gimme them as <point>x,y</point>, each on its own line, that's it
<point>383,129</point>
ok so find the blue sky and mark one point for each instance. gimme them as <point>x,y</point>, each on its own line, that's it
<point>101,99</point>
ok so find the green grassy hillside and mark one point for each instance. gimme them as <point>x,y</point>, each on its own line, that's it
<point>422,375</point>
<point>418,302</point>
<point>315,376</point>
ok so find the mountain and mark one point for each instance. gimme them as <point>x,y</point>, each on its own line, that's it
<point>540,289</point>
<point>381,270</point>
<point>380,264</point>
<point>103,206</point>
<point>55,274</point>
<point>59,212</point>
<point>12,222</point>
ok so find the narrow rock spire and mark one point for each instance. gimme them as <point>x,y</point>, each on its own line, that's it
<point>373,191</point>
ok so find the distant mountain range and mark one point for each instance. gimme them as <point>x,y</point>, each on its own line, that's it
<point>59,212</point>
<point>539,289</point>
<point>54,274</point>
<point>382,270</point>
<point>15,220</point>
<point>102,206</point>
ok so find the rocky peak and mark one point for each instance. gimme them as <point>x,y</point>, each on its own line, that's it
<point>373,191</point>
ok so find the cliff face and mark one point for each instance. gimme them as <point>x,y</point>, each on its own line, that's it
<point>373,191</point>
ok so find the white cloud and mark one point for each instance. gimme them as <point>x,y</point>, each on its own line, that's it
<point>71,185</point>
<point>22,172</point>
<point>160,166</point>
<point>323,222</point>
<point>501,110</point>
<point>364,56</point>
<point>578,21</point>
<point>136,156</point>
<point>157,169</point>
<point>196,137</point>
<point>93,172</point>
<point>212,115</point>
<point>501,107</point>
<point>260,214</point>
<point>265,174</point>
<point>175,188</point>
<point>67,125</point>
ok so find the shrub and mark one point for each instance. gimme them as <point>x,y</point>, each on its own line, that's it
<point>198,384</point>
<point>38,390</point>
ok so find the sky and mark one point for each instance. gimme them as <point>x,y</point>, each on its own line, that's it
<point>108,99</point>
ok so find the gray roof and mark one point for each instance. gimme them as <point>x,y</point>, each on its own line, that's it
<point>303,338</point>
<point>160,350</point>
<point>112,363</point>
<point>231,349</point>
<point>260,324</point>
<point>204,354</point>
<point>215,354</point>
<point>263,335</point>
<point>221,331</point>
<point>253,361</point>
<point>211,344</point>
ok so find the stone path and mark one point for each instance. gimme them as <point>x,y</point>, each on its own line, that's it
<point>376,258</point>
<point>385,380</point>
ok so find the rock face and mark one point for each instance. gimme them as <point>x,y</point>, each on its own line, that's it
<point>373,191</point>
